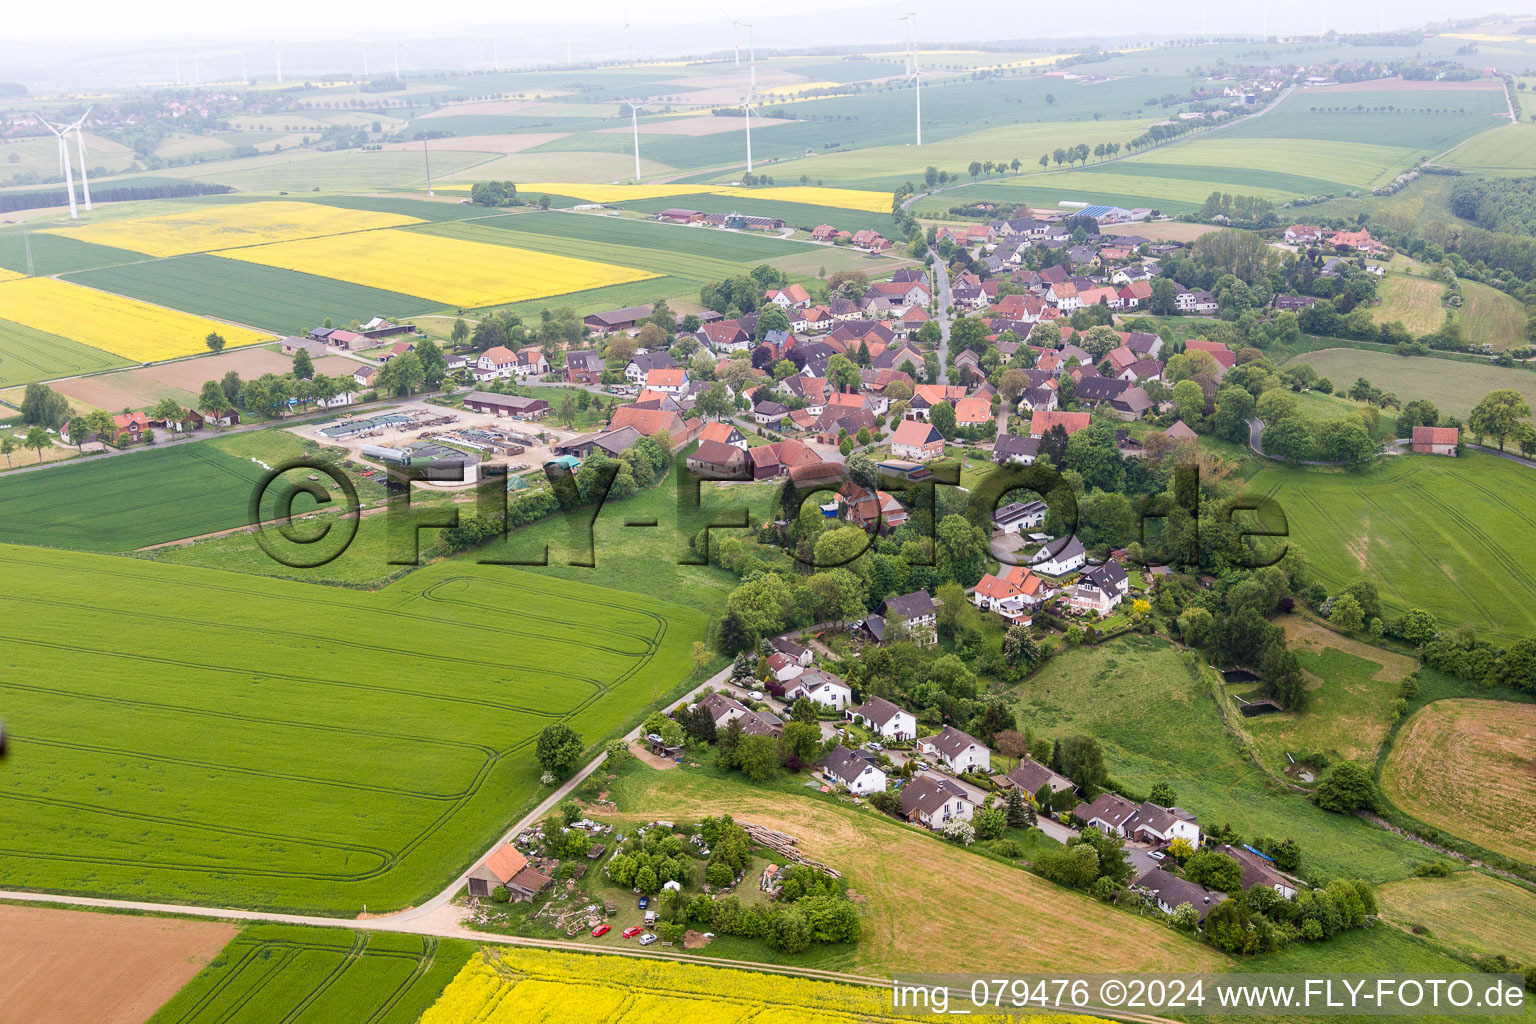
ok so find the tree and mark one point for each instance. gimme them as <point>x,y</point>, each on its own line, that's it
<point>1344,787</point>
<point>434,365</point>
<point>42,406</point>
<point>460,333</point>
<point>1347,614</point>
<point>1018,811</point>
<point>1214,871</point>
<point>989,822</point>
<point>1082,761</point>
<point>212,400</point>
<point>558,749</point>
<point>757,756</point>
<point>799,743</point>
<point>1163,795</point>
<point>1498,413</point>
<point>168,410</point>
<point>942,416</point>
<point>958,830</point>
<point>1190,399</point>
<point>37,439</point>
<point>962,550</point>
<point>303,365</point>
<point>214,341</point>
<point>8,448</point>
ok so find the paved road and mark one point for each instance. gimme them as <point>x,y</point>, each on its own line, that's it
<point>941,276</point>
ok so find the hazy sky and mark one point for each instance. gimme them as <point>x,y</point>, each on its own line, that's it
<point>782,21</point>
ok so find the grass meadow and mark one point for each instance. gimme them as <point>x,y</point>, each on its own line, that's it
<point>1509,151</point>
<point>1158,724</point>
<point>261,743</point>
<point>1440,534</point>
<point>304,975</point>
<point>1469,911</point>
<point>1454,385</point>
<point>1460,765</point>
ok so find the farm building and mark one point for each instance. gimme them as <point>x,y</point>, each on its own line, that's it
<point>616,319</point>
<point>509,868</point>
<point>506,405</point>
<point>1435,440</point>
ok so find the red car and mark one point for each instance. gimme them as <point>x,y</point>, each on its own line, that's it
<point>630,933</point>
<point>601,929</point>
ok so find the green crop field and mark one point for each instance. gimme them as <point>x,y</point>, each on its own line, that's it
<point>1454,385</point>
<point>605,231</point>
<point>270,973</point>
<point>1440,534</point>
<point>57,254</point>
<point>1158,724</point>
<point>202,737</point>
<point>795,214</point>
<point>149,497</point>
<point>1424,121</point>
<point>271,298</point>
<point>28,355</point>
<point>1510,150</point>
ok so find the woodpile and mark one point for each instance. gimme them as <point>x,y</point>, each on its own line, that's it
<point>784,845</point>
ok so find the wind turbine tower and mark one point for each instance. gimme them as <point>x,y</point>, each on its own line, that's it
<point>914,72</point>
<point>85,184</point>
<point>277,56</point>
<point>634,121</point>
<point>69,174</point>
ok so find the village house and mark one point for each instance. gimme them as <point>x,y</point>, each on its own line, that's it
<point>800,655</point>
<point>912,610</point>
<point>959,751</point>
<point>584,367</point>
<point>1260,870</point>
<point>784,668</point>
<point>1170,892</point>
<point>1030,775</point>
<point>885,718</point>
<point>1011,595</point>
<point>854,770</point>
<point>1109,813</point>
<point>933,803</point>
<point>723,708</point>
<point>1042,420</point>
<point>1162,825</point>
<point>1100,589</point>
<point>1018,516</point>
<point>496,363</point>
<point>716,460</point>
<point>917,441</point>
<point>1060,556</point>
<point>642,363</point>
<point>1015,448</point>
<point>671,382</point>
<point>822,687</point>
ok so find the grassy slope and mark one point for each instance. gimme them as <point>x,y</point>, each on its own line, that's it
<point>299,748</point>
<point>1433,533</point>
<point>275,972</point>
<point>1469,911</point>
<point>925,899</point>
<point>1455,386</point>
<point>1462,765</point>
<point>1159,725</point>
<point>1412,300</point>
<point>1506,151</point>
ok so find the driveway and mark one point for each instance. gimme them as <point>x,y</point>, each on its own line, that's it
<point>941,277</point>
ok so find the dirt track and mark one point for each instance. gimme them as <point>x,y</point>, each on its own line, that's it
<point>71,966</point>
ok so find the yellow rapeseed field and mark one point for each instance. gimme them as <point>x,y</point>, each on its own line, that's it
<point>227,225</point>
<point>535,986</point>
<point>451,271</point>
<point>839,198</point>
<point>10,275</point>
<point>125,327</point>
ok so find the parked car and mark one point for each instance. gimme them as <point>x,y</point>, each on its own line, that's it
<point>755,695</point>
<point>631,932</point>
<point>1157,855</point>
<point>600,930</point>
<point>647,938</point>
<point>875,746</point>
<point>645,901</point>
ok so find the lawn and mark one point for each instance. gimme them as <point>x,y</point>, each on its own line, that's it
<point>925,899</point>
<point>1463,765</point>
<point>1454,385</point>
<point>1352,688</point>
<point>28,355</point>
<point>1433,533</point>
<point>1469,911</point>
<point>261,743</point>
<point>275,972</point>
<point>1158,724</point>
<point>278,300</point>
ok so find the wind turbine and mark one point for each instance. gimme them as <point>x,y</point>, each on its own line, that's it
<point>85,184</point>
<point>69,175</point>
<point>398,47</point>
<point>365,61</point>
<point>277,56</point>
<point>629,39</point>
<point>914,73</point>
<point>634,121</point>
